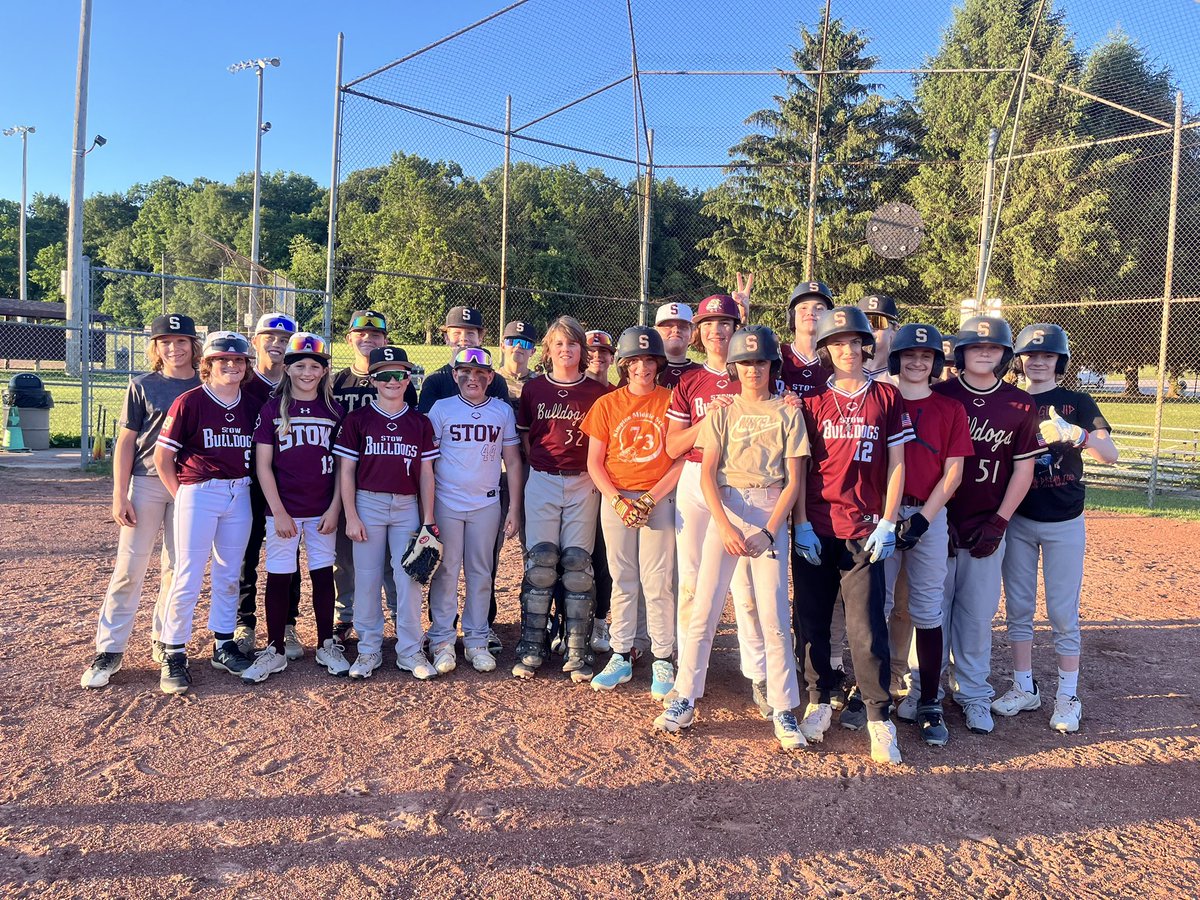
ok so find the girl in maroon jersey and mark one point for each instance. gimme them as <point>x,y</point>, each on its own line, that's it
<point>295,469</point>
<point>386,450</point>
<point>203,459</point>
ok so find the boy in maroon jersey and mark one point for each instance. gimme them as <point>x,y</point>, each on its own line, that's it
<point>845,522</point>
<point>1004,428</point>
<point>385,450</point>
<point>802,372</point>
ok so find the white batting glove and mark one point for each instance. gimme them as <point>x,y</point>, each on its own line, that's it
<point>1057,430</point>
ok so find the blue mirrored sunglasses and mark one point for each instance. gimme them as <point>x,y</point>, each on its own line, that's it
<point>518,342</point>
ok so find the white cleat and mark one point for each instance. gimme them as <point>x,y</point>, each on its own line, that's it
<point>1068,711</point>
<point>884,747</point>
<point>1016,701</point>
<point>817,719</point>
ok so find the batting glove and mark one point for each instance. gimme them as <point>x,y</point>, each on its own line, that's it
<point>986,540</point>
<point>645,504</point>
<point>630,513</point>
<point>882,542</point>
<point>1057,430</point>
<point>909,531</point>
<point>806,543</point>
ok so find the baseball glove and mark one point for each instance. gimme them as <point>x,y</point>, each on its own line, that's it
<point>423,555</point>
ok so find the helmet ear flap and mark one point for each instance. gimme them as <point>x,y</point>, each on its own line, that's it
<point>824,358</point>
<point>732,370</point>
<point>1060,367</point>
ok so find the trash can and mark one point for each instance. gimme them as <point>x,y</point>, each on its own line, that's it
<point>33,402</point>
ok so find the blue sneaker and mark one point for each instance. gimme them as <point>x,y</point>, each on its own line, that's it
<point>662,678</point>
<point>618,671</point>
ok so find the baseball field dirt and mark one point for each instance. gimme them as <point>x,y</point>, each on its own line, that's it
<point>481,785</point>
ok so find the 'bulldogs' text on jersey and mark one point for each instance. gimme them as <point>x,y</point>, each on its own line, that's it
<point>210,440</point>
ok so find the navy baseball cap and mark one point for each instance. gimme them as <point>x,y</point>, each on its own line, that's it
<point>381,357</point>
<point>171,325</point>
<point>463,317</point>
<point>521,331</point>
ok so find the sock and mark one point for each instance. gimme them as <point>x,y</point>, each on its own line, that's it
<point>836,662</point>
<point>1024,680</point>
<point>929,662</point>
<point>322,588</point>
<point>1068,683</point>
<point>222,636</point>
<point>279,587</point>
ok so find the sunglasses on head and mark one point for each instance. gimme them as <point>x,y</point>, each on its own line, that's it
<point>279,325</point>
<point>368,322</point>
<point>307,343</point>
<point>391,375</point>
<point>518,342</point>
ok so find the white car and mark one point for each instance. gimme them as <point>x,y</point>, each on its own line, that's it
<point>1091,377</point>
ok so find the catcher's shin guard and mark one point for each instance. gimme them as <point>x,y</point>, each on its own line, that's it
<point>541,565</point>
<point>580,607</point>
<point>535,612</point>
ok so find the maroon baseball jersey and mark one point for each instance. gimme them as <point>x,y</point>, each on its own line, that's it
<point>1003,424</point>
<point>389,450</point>
<point>550,411</point>
<point>210,440</point>
<point>940,429</point>
<point>850,436</point>
<point>303,458</point>
<point>689,401</point>
<point>258,390</point>
<point>802,376</point>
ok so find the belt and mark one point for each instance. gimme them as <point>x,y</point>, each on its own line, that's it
<point>563,474</point>
<point>908,500</point>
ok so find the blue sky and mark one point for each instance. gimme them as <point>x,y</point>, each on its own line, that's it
<point>160,92</point>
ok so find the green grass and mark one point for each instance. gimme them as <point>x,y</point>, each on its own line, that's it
<point>1134,502</point>
<point>1176,413</point>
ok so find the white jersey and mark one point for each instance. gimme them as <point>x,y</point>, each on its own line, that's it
<point>470,439</point>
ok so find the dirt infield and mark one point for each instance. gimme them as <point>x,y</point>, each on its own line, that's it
<point>310,786</point>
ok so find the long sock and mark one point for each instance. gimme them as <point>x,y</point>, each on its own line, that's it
<point>322,587</point>
<point>278,599</point>
<point>1024,680</point>
<point>1068,683</point>
<point>929,662</point>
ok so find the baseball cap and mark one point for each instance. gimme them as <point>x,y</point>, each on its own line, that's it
<point>172,324</point>
<point>673,312</point>
<point>472,357</point>
<point>463,317</point>
<point>306,345</point>
<point>718,306</point>
<point>600,339</point>
<point>382,357</point>
<point>367,320</point>
<point>275,323</point>
<point>225,343</point>
<point>522,331</point>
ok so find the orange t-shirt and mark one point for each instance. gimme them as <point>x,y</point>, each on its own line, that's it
<point>635,430</point>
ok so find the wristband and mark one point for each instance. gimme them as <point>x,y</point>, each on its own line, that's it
<point>770,537</point>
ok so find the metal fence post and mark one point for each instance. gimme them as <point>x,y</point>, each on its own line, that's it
<point>504,216</point>
<point>85,360</point>
<point>644,309</point>
<point>985,226</point>
<point>331,246</point>
<point>1160,386</point>
<point>810,231</point>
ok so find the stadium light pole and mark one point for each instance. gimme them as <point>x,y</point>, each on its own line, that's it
<point>24,131</point>
<point>259,66</point>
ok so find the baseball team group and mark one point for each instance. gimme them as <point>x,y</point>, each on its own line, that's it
<point>900,476</point>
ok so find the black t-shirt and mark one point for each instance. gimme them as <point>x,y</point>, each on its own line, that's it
<point>441,384</point>
<point>353,391</point>
<point>1056,494</point>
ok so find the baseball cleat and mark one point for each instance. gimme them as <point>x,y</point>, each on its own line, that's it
<point>932,725</point>
<point>1067,713</point>
<point>1016,701</point>
<point>246,639</point>
<point>884,748</point>
<point>266,663</point>
<point>420,666</point>
<point>758,693</point>
<point>365,665</point>
<point>979,717</point>
<point>854,714</point>
<point>618,671</point>
<point>444,660</point>
<point>680,714</point>
<point>817,719</point>
<point>600,641</point>
<point>103,667</point>
<point>788,732</point>
<point>481,658</point>
<point>523,670</point>
<point>332,656</point>
<point>494,645</point>
<point>228,658</point>
<point>175,676</point>
<point>906,710</point>
<point>292,648</point>
<point>662,679</point>
<point>343,631</point>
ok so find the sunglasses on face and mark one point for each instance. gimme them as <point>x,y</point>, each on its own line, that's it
<point>393,375</point>
<point>879,323</point>
<point>518,342</point>
<point>473,356</point>
<point>368,322</point>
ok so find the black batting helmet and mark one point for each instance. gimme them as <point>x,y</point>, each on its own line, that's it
<point>752,344</point>
<point>641,340</point>
<point>917,336</point>
<point>984,330</point>
<point>880,305</point>
<point>1045,337</point>
<point>844,320</point>
<point>809,290</point>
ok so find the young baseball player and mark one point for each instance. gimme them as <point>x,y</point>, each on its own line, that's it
<point>1004,429</point>
<point>949,342</point>
<point>1049,521</point>
<point>802,372</point>
<point>203,458</point>
<point>560,503</point>
<point>883,314</point>
<point>472,432</point>
<point>519,340</point>
<point>751,470</point>
<point>845,521</point>
<point>294,458</point>
<point>385,451</point>
<point>700,390</point>
<point>354,389</point>
<point>629,464</point>
<point>673,322</point>
<point>141,502</point>
<point>599,365</point>
<point>270,342</point>
<point>933,465</point>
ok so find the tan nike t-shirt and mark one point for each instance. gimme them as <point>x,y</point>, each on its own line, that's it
<point>755,438</point>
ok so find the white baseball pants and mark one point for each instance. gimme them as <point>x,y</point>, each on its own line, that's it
<point>1062,546</point>
<point>391,521</point>
<point>468,539</point>
<point>642,564</point>
<point>320,549</point>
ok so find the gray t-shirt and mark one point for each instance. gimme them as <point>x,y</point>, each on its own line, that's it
<point>147,403</point>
